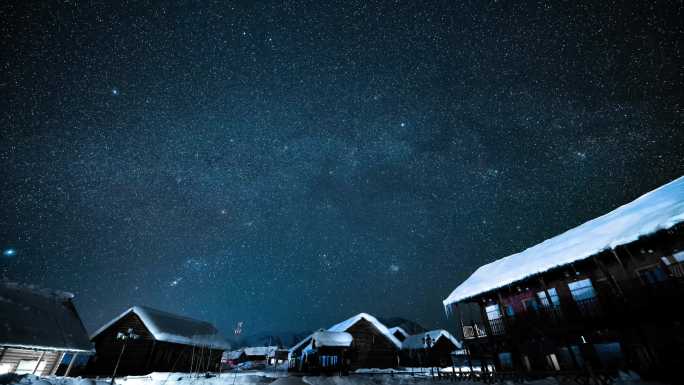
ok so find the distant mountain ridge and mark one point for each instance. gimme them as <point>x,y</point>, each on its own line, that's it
<point>411,327</point>
<point>281,339</point>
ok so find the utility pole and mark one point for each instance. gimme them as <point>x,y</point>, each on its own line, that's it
<point>125,337</point>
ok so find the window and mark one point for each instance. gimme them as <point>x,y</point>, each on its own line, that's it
<point>582,290</point>
<point>553,295</point>
<point>506,360</point>
<point>530,304</point>
<point>652,275</point>
<point>493,312</point>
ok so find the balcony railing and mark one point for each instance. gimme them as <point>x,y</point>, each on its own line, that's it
<point>472,332</point>
<point>497,326</point>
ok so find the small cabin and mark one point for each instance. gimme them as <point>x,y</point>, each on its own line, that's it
<point>327,352</point>
<point>373,346</point>
<point>160,342</point>
<point>260,355</point>
<point>38,328</point>
<point>433,348</point>
<point>233,358</point>
<point>399,333</point>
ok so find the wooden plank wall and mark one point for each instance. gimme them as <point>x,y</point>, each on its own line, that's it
<point>12,356</point>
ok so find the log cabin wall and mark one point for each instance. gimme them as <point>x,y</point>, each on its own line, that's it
<point>108,347</point>
<point>371,348</point>
<point>145,355</point>
<point>42,361</point>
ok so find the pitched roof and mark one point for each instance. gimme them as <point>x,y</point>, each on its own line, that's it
<point>173,328</point>
<point>332,339</point>
<point>306,340</point>
<point>40,319</point>
<point>400,330</point>
<point>659,209</point>
<point>348,323</point>
<point>260,350</point>
<point>417,341</point>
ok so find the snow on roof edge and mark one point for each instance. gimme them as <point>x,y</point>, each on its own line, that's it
<point>49,348</point>
<point>346,324</point>
<point>159,335</point>
<point>435,335</point>
<point>666,199</point>
<point>399,329</point>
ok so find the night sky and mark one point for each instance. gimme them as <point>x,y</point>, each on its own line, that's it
<point>290,164</point>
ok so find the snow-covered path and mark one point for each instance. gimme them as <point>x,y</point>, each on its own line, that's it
<point>289,381</point>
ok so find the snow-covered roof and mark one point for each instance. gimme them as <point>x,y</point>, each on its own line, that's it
<point>659,209</point>
<point>332,339</point>
<point>174,328</point>
<point>417,341</point>
<point>348,323</point>
<point>36,318</point>
<point>398,329</point>
<point>234,354</point>
<point>266,351</point>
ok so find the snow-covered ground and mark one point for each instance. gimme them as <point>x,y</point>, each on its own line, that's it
<point>266,377</point>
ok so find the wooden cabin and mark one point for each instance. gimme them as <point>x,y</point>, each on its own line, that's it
<point>327,352</point>
<point>399,333</point>
<point>433,348</point>
<point>603,296</point>
<point>166,342</point>
<point>233,358</point>
<point>373,346</point>
<point>260,355</point>
<point>37,329</point>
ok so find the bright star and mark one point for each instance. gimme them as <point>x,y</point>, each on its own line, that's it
<point>9,252</point>
<point>115,91</point>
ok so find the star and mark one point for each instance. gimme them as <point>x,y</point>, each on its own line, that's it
<point>115,91</point>
<point>10,252</point>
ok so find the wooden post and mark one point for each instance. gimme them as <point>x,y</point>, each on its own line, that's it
<point>38,363</point>
<point>56,365</point>
<point>149,358</point>
<point>71,365</point>
<point>117,363</point>
<point>610,276</point>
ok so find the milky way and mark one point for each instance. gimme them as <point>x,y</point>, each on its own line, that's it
<point>289,164</point>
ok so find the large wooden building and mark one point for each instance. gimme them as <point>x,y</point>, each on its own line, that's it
<point>165,343</point>
<point>37,329</point>
<point>373,346</point>
<point>433,348</point>
<point>601,297</point>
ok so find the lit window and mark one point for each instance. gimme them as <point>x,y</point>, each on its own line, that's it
<point>493,312</point>
<point>552,294</point>
<point>582,290</point>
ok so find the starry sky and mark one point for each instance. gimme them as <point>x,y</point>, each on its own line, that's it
<point>291,163</point>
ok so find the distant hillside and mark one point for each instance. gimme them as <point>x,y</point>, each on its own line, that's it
<point>410,326</point>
